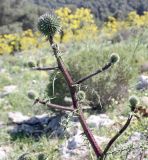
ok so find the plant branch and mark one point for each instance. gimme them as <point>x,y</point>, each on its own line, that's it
<point>54,106</point>
<point>107,66</point>
<point>44,68</point>
<point>72,90</point>
<point>118,134</point>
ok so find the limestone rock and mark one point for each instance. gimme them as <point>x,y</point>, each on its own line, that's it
<point>4,151</point>
<point>142,82</point>
<point>35,126</point>
<point>17,117</point>
<point>95,121</point>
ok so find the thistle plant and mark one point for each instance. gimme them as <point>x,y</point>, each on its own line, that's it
<point>49,25</point>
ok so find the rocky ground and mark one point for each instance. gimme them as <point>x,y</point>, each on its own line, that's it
<point>19,123</point>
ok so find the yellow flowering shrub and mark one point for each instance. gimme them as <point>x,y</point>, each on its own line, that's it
<point>77,25</point>
<point>8,43</point>
<point>136,20</point>
<point>5,48</point>
<point>28,40</point>
<point>112,26</point>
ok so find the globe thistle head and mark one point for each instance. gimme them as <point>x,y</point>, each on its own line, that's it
<point>133,100</point>
<point>31,64</point>
<point>114,58</point>
<point>81,95</point>
<point>32,94</point>
<point>49,24</point>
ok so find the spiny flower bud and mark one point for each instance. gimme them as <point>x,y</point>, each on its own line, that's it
<point>31,64</point>
<point>114,58</point>
<point>81,95</point>
<point>133,100</point>
<point>32,94</point>
<point>49,24</point>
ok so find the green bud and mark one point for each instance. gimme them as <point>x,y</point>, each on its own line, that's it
<point>31,64</point>
<point>81,95</point>
<point>32,94</point>
<point>114,58</point>
<point>133,100</point>
<point>49,24</point>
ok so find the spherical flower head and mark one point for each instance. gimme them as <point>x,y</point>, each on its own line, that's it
<point>31,64</point>
<point>133,100</point>
<point>49,24</point>
<point>81,95</point>
<point>114,58</point>
<point>32,94</point>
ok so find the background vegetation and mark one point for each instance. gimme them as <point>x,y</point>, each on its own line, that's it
<point>92,30</point>
<point>21,15</point>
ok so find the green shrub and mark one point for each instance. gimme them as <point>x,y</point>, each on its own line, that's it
<point>57,89</point>
<point>85,58</point>
<point>108,85</point>
<point>102,88</point>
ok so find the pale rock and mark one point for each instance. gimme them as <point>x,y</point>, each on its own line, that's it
<point>8,90</point>
<point>101,140</point>
<point>35,126</point>
<point>142,82</point>
<point>17,117</point>
<point>2,70</point>
<point>3,154</point>
<point>74,129</point>
<point>134,140</point>
<point>75,142</point>
<point>99,120</point>
<point>4,151</point>
<point>74,148</point>
<point>135,137</point>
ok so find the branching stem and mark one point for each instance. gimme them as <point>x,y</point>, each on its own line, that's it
<point>107,66</point>
<point>72,90</point>
<point>54,106</point>
<point>118,134</point>
<point>44,68</point>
